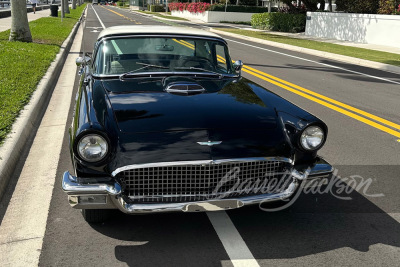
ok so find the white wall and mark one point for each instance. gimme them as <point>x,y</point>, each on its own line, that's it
<point>360,28</point>
<point>213,16</point>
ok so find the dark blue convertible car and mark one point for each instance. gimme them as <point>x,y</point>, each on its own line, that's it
<point>165,122</point>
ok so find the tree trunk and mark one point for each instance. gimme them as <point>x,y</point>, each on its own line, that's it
<point>237,2</point>
<point>66,7</point>
<point>19,22</point>
<point>73,4</point>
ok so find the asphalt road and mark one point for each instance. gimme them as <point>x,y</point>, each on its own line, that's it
<point>319,229</point>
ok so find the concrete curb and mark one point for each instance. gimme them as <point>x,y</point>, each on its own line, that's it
<point>345,59</point>
<point>29,118</point>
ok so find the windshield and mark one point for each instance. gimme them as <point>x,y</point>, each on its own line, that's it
<point>154,54</point>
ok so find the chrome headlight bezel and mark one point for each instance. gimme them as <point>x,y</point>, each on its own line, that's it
<point>312,131</point>
<point>101,145</point>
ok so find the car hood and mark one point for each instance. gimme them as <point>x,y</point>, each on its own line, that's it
<point>146,124</point>
<point>147,107</point>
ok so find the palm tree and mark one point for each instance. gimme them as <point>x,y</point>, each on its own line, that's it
<point>66,7</point>
<point>19,22</point>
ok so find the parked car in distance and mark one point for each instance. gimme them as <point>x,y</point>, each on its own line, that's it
<point>95,2</point>
<point>102,2</point>
<point>164,122</point>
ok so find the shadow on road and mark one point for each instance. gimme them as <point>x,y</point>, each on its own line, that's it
<point>314,224</point>
<point>173,239</point>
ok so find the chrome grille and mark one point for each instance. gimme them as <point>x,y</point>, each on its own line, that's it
<point>196,182</point>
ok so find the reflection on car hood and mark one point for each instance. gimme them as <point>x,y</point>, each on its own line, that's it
<point>224,105</point>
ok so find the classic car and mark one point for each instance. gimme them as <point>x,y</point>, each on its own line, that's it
<point>164,121</point>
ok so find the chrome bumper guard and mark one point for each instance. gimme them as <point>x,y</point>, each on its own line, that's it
<point>103,196</point>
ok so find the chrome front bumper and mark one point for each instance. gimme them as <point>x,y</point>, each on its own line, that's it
<point>102,196</point>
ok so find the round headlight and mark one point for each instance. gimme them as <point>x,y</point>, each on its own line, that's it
<point>92,147</point>
<point>312,138</point>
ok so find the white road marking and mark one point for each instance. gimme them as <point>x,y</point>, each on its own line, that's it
<point>316,62</point>
<point>233,243</point>
<point>24,224</point>
<point>102,24</point>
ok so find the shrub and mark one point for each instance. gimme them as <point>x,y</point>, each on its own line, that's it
<point>260,21</point>
<point>177,6</point>
<point>358,6</point>
<point>387,7</point>
<point>281,22</point>
<point>198,7</point>
<point>157,8</point>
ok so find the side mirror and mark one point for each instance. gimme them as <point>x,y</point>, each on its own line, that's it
<point>238,65</point>
<point>82,60</point>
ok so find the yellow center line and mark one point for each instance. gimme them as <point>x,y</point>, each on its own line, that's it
<point>181,43</point>
<point>119,14</point>
<point>284,84</point>
<point>189,44</point>
<point>359,111</point>
<point>326,104</point>
<point>308,94</point>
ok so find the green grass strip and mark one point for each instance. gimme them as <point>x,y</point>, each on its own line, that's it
<point>368,54</point>
<point>24,64</point>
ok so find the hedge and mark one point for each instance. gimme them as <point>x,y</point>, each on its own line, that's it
<point>244,9</point>
<point>281,22</point>
<point>157,8</point>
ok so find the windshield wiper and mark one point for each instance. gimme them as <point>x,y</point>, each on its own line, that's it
<point>220,75</point>
<point>122,76</point>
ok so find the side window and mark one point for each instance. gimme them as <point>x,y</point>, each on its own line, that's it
<point>221,59</point>
<point>99,61</point>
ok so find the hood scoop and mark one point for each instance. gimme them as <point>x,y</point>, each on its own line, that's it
<point>184,88</point>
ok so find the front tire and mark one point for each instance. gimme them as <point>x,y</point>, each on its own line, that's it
<point>96,216</point>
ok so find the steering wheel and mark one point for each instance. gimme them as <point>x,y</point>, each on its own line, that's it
<point>201,62</point>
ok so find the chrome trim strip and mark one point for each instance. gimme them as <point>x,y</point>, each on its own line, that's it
<point>321,170</point>
<point>155,74</point>
<point>185,91</point>
<point>209,205</point>
<point>157,35</point>
<point>198,162</point>
<point>72,187</point>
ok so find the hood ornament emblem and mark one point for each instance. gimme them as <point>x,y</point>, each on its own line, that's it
<point>209,143</point>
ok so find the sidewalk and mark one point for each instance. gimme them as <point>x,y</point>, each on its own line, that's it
<point>23,226</point>
<point>389,49</point>
<point>5,23</point>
